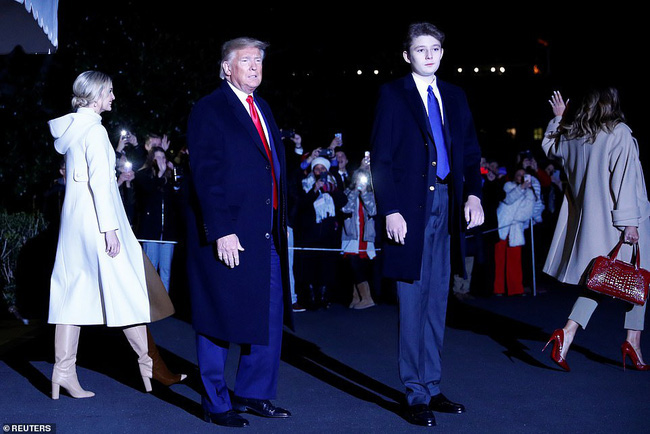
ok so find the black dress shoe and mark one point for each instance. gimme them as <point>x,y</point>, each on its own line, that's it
<point>228,418</point>
<point>421,415</point>
<point>260,407</point>
<point>441,404</point>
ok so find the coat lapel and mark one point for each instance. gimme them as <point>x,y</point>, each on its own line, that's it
<point>272,140</point>
<point>447,102</point>
<point>414,102</point>
<point>243,117</point>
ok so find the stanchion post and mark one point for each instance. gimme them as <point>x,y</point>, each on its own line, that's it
<point>532,249</point>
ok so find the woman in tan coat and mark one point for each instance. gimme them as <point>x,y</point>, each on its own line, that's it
<point>606,199</point>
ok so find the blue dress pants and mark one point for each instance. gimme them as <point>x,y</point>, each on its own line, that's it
<point>423,308</point>
<point>257,372</point>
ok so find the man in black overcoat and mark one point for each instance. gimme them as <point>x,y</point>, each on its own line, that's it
<point>237,238</point>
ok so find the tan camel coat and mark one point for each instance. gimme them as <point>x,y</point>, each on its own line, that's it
<point>606,191</point>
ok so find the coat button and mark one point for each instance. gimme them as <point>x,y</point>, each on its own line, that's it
<point>433,163</point>
<point>268,201</point>
<point>431,188</point>
<point>267,236</point>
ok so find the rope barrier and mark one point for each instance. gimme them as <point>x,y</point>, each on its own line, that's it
<point>532,243</point>
<point>158,241</point>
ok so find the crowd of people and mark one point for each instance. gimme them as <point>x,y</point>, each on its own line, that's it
<point>332,219</point>
<point>521,199</point>
<point>331,200</point>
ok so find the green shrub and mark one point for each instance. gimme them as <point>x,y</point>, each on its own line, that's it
<point>15,230</point>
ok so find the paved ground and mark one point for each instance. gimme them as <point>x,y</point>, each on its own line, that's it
<point>339,374</point>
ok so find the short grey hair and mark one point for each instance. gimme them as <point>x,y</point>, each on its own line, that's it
<point>89,87</point>
<point>229,47</point>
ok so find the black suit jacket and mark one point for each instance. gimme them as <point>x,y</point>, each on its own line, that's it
<point>403,151</point>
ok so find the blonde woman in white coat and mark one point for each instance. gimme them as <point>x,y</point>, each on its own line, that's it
<point>606,201</point>
<point>98,275</point>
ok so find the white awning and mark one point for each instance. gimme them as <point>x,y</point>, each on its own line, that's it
<point>31,24</point>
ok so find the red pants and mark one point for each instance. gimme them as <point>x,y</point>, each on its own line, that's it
<point>507,271</point>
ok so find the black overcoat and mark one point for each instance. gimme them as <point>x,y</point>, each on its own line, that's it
<point>231,193</point>
<point>403,151</point>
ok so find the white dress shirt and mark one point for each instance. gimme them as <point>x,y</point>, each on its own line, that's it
<point>242,97</point>
<point>423,89</point>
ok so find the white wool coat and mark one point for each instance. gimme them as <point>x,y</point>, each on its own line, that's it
<point>87,286</point>
<point>606,192</point>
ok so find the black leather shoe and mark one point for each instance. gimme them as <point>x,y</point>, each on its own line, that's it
<point>441,404</point>
<point>260,407</point>
<point>420,414</point>
<point>228,418</point>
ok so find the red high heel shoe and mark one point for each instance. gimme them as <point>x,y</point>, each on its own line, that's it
<point>628,350</point>
<point>558,342</point>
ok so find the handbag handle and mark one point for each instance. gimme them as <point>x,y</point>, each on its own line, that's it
<point>636,253</point>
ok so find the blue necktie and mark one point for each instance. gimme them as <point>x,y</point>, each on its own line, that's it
<point>435,119</point>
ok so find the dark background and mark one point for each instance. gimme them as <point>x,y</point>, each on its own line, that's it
<point>164,57</point>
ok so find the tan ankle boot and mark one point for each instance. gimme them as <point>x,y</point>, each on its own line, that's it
<point>355,297</point>
<point>161,373</point>
<point>64,373</point>
<point>366,298</point>
<point>137,337</point>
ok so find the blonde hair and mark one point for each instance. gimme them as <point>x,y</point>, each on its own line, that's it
<point>88,87</point>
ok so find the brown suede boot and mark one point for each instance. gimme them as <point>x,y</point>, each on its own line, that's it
<point>355,297</point>
<point>366,298</point>
<point>161,373</point>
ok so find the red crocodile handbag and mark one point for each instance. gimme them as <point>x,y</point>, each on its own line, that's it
<point>619,279</point>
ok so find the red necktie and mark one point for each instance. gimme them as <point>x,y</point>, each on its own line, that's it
<point>258,124</point>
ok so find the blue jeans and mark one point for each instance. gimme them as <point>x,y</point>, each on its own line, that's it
<point>160,255</point>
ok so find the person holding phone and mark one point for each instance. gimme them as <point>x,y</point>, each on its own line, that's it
<point>513,215</point>
<point>318,228</point>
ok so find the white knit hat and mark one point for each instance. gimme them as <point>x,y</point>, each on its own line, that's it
<point>320,160</point>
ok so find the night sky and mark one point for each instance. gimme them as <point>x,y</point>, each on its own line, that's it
<point>315,50</point>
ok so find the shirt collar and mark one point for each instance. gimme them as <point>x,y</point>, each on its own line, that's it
<point>240,94</point>
<point>423,84</point>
